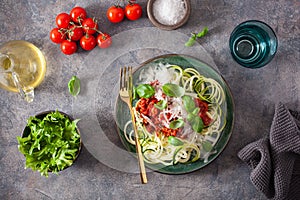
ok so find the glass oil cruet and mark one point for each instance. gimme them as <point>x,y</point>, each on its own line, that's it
<point>22,68</point>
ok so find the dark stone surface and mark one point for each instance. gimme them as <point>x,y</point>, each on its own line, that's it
<point>255,93</point>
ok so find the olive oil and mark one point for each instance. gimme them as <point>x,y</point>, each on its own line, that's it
<point>24,59</point>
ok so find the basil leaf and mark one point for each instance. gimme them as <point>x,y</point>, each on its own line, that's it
<point>74,86</point>
<point>161,104</point>
<point>145,91</point>
<point>134,94</point>
<point>196,111</point>
<point>190,117</point>
<point>191,40</point>
<point>178,123</point>
<point>197,124</point>
<point>188,103</point>
<point>175,141</point>
<point>173,90</point>
<point>202,33</point>
<point>207,146</point>
<point>194,37</point>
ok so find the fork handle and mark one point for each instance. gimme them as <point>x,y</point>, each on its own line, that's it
<point>138,149</point>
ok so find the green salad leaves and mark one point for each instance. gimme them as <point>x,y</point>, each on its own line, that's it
<point>49,144</point>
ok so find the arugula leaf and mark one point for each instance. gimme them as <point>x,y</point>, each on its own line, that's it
<point>145,90</point>
<point>49,144</point>
<point>74,86</point>
<point>194,37</point>
<point>178,123</point>
<point>173,90</point>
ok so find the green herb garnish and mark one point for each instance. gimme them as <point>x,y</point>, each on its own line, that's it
<point>191,40</point>
<point>194,37</point>
<point>178,123</point>
<point>197,123</point>
<point>174,141</point>
<point>161,104</point>
<point>74,86</point>
<point>207,146</point>
<point>173,90</point>
<point>145,90</point>
<point>192,117</point>
<point>49,144</point>
<point>188,103</point>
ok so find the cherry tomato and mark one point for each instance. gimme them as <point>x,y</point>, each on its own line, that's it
<point>133,11</point>
<point>115,14</point>
<point>78,14</point>
<point>57,36</point>
<point>89,26</point>
<point>88,42</point>
<point>62,20</point>
<point>75,33</point>
<point>104,40</point>
<point>68,47</point>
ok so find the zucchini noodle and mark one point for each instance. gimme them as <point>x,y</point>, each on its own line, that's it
<point>192,145</point>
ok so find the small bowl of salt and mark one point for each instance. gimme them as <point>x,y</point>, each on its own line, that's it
<point>168,14</point>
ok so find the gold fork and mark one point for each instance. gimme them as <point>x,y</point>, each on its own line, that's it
<point>126,93</point>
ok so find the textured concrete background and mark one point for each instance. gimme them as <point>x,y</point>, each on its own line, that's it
<point>255,94</point>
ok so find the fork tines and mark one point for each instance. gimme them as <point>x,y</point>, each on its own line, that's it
<point>125,74</point>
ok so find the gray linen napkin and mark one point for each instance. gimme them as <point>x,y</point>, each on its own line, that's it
<point>275,160</point>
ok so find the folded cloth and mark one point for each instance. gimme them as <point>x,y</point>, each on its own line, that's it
<point>275,160</point>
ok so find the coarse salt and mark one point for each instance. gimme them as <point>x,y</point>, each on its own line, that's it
<point>169,12</point>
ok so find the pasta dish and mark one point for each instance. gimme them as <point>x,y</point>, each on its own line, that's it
<point>178,114</point>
